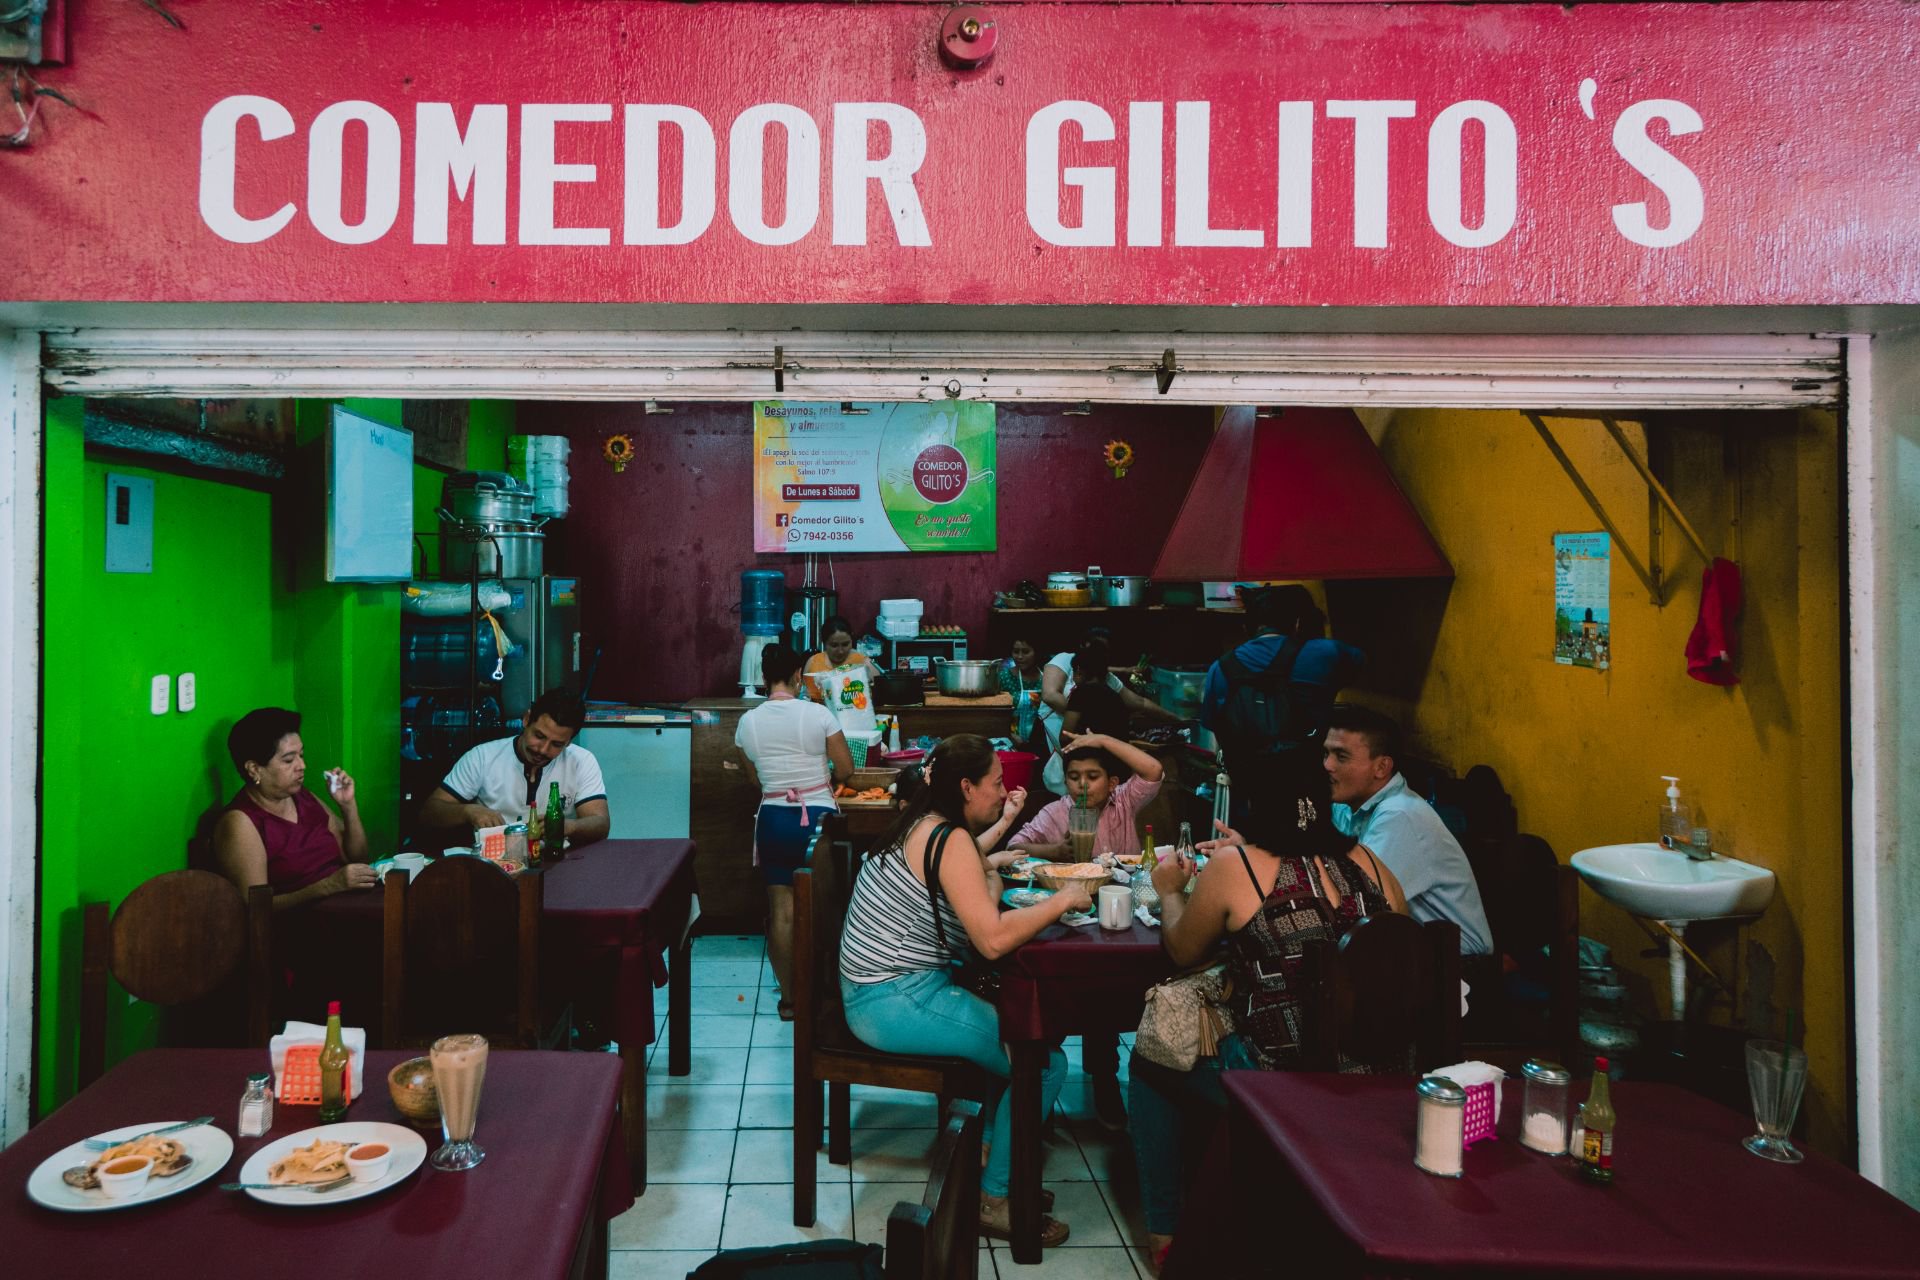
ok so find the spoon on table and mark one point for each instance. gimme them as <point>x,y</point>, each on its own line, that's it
<point>108,1144</point>
<point>337,1183</point>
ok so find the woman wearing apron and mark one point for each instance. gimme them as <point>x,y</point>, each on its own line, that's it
<point>794,753</point>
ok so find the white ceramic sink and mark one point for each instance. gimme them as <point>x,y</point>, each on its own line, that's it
<point>1663,885</point>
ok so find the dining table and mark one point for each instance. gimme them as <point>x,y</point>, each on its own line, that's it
<point>1319,1174</point>
<point>537,1207</point>
<point>615,924</point>
<point>1068,980</point>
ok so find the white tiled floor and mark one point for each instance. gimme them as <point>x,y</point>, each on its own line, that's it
<point>719,1150</point>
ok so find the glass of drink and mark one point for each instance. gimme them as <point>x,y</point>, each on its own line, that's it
<point>1082,823</point>
<point>459,1068</point>
<point>1776,1077</point>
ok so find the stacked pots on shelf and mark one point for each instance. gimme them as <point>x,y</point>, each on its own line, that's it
<point>488,516</point>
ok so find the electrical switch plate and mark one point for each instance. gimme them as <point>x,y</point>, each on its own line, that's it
<point>184,698</point>
<point>161,687</point>
<point>129,524</point>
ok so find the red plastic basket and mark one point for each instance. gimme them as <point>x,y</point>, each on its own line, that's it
<point>1480,1114</point>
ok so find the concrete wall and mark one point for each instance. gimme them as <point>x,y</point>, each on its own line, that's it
<point>1582,751</point>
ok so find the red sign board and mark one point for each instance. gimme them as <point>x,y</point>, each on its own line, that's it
<point>1226,155</point>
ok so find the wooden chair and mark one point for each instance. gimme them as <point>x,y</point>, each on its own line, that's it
<point>462,953</point>
<point>1533,907</point>
<point>939,1238</point>
<point>825,1051</point>
<point>1390,986</point>
<point>176,940</point>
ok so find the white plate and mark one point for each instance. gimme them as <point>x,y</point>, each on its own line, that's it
<point>409,1153</point>
<point>210,1148</point>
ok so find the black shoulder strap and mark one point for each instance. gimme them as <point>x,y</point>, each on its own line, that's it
<point>936,849</point>
<point>1280,669</point>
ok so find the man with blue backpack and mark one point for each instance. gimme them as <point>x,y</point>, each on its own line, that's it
<point>1273,693</point>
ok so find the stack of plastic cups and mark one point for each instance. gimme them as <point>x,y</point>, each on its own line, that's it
<point>540,463</point>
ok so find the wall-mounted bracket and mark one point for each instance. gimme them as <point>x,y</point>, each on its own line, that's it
<point>1663,500</point>
<point>779,368</point>
<point>1164,371</point>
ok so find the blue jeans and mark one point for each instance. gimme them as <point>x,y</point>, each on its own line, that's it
<point>925,1013</point>
<point>1172,1115</point>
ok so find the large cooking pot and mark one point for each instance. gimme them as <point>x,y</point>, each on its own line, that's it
<point>503,549</point>
<point>487,497</point>
<point>899,689</point>
<point>1120,590</point>
<point>974,678</point>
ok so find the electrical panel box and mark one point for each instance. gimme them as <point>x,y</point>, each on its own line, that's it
<point>129,524</point>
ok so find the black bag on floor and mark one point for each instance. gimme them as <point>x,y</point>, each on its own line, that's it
<point>802,1260</point>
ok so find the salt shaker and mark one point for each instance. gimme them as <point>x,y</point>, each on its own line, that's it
<point>256,1105</point>
<point>1543,1109</point>
<point>1441,1126</point>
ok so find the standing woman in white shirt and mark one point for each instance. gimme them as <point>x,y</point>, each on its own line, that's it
<point>795,752</point>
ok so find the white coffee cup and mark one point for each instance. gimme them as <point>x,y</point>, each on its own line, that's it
<point>1116,906</point>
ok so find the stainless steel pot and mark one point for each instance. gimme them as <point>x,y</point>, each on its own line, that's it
<point>486,497</point>
<point>973,678</point>
<point>1119,591</point>
<point>503,550</point>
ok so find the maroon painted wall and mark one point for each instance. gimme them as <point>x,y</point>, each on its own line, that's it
<point>660,547</point>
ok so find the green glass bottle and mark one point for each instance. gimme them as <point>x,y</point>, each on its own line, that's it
<point>553,843</point>
<point>335,1064</point>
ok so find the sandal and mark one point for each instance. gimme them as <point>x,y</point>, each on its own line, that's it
<point>996,1222</point>
<point>785,1010</point>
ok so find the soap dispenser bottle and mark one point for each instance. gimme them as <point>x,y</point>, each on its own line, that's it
<point>1676,820</point>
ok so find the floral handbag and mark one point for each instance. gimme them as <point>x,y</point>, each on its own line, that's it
<point>1185,1018</point>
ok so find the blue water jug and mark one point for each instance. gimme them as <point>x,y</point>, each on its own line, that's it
<point>763,600</point>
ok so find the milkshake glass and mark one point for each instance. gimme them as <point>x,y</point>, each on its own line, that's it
<point>459,1068</point>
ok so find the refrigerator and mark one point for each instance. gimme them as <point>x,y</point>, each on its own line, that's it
<point>543,623</point>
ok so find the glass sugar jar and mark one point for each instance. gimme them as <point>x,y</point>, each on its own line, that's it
<point>1440,1128</point>
<point>1543,1108</point>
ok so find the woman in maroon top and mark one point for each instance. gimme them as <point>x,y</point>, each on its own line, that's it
<point>278,833</point>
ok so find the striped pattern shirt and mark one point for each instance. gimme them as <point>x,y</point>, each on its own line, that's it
<point>889,932</point>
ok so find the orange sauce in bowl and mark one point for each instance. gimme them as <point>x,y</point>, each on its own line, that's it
<point>370,1151</point>
<point>126,1164</point>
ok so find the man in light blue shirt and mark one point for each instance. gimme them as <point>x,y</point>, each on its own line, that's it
<point>1374,805</point>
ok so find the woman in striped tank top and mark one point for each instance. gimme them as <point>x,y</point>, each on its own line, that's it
<point>897,957</point>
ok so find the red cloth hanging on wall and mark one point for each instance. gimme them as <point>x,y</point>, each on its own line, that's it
<point>1713,648</point>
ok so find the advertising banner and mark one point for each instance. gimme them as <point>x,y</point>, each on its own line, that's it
<point>873,477</point>
<point>1582,593</point>
<point>1280,155</point>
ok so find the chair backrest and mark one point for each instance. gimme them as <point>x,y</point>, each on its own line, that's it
<point>462,953</point>
<point>821,890</point>
<point>177,939</point>
<point>1389,992</point>
<point>938,1239</point>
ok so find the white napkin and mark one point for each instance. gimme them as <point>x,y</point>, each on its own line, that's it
<point>1146,917</point>
<point>311,1033</point>
<point>1474,1072</point>
<point>1079,919</point>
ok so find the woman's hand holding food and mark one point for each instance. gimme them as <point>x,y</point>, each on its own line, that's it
<point>1073,896</point>
<point>1016,801</point>
<point>1004,859</point>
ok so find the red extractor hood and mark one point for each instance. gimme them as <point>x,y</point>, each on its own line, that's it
<point>1299,494</point>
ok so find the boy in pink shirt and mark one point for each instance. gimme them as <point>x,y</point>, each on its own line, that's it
<point>1094,764</point>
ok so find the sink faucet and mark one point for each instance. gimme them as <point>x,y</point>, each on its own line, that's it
<point>1697,850</point>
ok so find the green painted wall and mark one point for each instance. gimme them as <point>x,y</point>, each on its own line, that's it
<point>237,596</point>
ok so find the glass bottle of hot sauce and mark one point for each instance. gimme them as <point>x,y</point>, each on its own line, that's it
<point>335,1063</point>
<point>1596,1139</point>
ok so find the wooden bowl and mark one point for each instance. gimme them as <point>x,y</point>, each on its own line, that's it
<point>1090,874</point>
<point>1068,597</point>
<point>414,1093</point>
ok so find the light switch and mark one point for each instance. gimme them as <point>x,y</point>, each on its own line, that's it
<point>162,685</point>
<point>183,699</point>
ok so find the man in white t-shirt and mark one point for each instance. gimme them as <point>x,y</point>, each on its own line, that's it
<point>500,782</point>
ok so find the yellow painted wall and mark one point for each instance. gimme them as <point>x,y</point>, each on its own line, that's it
<point>1582,752</point>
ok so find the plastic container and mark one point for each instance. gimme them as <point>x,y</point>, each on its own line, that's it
<point>763,601</point>
<point>898,626</point>
<point>434,652</point>
<point>1016,768</point>
<point>903,608</point>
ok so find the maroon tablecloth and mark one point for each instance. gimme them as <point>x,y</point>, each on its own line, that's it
<point>612,912</point>
<point>1687,1201</point>
<point>554,1156</point>
<point>1071,981</point>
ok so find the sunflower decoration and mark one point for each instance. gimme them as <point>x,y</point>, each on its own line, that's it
<point>1119,456</point>
<point>618,451</point>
